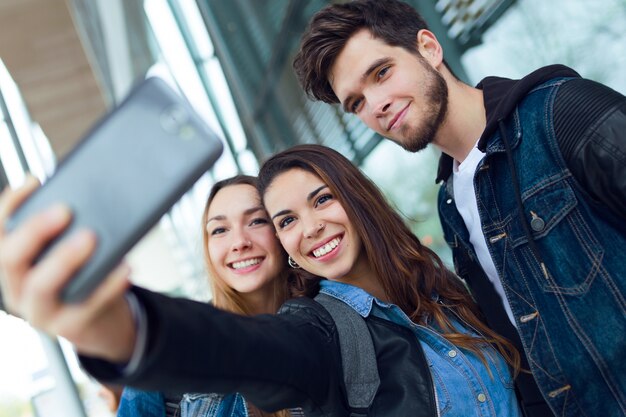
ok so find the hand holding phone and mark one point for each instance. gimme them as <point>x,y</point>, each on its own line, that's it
<point>103,324</point>
<point>128,171</point>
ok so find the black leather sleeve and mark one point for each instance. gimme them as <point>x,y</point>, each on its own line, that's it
<point>275,361</point>
<point>590,126</point>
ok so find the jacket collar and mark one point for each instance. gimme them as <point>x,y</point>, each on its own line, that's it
<point>355,297</point>
<point>500,97</point>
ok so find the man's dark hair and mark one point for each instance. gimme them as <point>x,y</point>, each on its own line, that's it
<point>394,22</point>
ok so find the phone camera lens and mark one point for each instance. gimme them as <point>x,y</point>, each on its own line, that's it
<point>175,120</point>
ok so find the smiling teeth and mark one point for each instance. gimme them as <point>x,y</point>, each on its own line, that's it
<point>246,263</point>
<point>326,248</point>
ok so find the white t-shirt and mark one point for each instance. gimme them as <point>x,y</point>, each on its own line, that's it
<point>465,197</point>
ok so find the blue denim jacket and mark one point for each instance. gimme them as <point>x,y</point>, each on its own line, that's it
<point>571,319</point>
<point>213,405</point>
<point>137,403</point>
<point>464,386</point>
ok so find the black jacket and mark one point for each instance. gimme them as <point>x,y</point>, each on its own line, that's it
<point>276,362</point>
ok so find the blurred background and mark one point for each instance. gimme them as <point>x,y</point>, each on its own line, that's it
<point>64,63</point>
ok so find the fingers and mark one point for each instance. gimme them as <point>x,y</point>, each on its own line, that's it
<point>38,295</point>
<point>24,244</point>
<point>11,199</point>
<point>103,325</point>
<point>19,248</point>
<point>32,291</point>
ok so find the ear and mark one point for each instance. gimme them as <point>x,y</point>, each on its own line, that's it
<point>429,47</point>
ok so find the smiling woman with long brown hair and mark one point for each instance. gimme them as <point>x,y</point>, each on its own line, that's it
<point>410,274</point>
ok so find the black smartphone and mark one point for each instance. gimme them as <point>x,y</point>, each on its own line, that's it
<point>125,174</point>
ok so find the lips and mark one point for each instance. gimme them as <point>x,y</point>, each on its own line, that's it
<point>398,117</point>
<point>245,263</point>
<point>326,247</point>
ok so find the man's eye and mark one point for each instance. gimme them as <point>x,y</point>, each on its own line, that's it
<point>354,106</point>
<point>382,72</point>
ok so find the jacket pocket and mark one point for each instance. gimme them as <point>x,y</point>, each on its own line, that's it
<point>200,405</point>
<point>567,246</point>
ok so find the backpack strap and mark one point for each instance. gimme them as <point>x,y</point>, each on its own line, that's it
<point>358,358</point>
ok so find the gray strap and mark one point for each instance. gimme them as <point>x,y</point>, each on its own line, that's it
<point>358,357</point>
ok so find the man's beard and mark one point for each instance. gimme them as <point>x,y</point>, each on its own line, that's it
<point>436,96</point>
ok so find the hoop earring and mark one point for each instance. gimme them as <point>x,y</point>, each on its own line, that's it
<point>292,263</point>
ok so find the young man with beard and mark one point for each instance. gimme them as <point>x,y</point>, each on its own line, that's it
<point>533,195</point>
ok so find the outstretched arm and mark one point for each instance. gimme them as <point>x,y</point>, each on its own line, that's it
<point>275,361</point>
<point>100,326</point>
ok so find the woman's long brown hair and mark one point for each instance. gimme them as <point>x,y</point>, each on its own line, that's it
<point>224,296</point>
<point>412,275</point>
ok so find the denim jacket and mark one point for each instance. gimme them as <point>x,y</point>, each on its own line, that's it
<point>566,293</point>
<point>213,405</point>
<point>216,405</point>
<point>137,403</point>
<point>464,387</point>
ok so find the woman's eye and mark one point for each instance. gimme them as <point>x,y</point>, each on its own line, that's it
<point>285,221</point>
<point>259,220</point>
<point>382,72</point>
<point>322,199</point>
<point>217,231</point>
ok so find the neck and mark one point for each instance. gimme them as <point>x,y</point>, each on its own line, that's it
<point>362,276</point>
<point>465,120</point>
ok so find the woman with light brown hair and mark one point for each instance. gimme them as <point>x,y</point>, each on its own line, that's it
<point>248,276</point>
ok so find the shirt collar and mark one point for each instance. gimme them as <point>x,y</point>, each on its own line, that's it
<point>355,297</point>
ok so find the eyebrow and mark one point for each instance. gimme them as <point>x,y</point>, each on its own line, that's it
<point>309,197</point>
<point>254,210</point>
<point>366,73</point>
<point>246,213</point>
<point>314,192</point>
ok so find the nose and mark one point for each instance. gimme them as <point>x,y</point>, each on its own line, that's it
<point>241,242</point>
<point>314,229</point>
<point>381,102</point>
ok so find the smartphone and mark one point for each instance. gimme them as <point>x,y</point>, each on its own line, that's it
<point>125,175</point>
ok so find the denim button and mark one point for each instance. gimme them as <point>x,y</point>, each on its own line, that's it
<point>482,398</point>
<point>537,224</point>
<point>452,353</point>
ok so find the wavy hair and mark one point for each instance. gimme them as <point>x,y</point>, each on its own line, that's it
<point>412,275</point>
<point>394,22</point>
